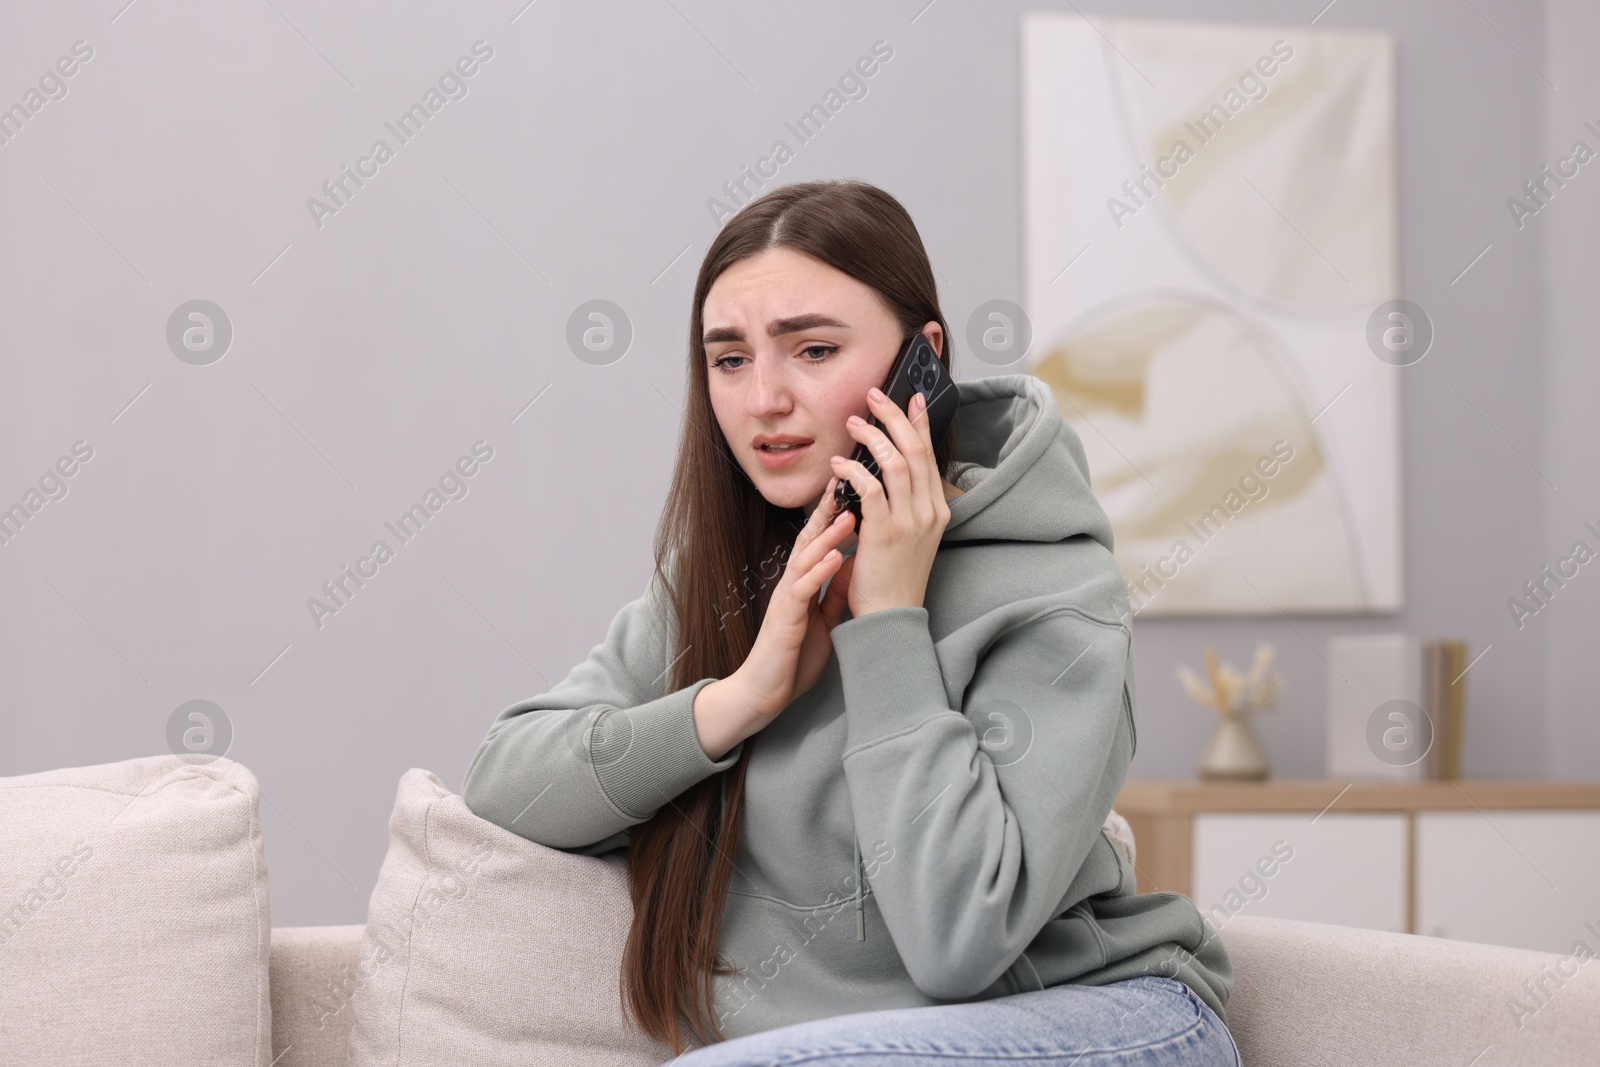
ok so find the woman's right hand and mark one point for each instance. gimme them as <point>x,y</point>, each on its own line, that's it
<point>793,644</point>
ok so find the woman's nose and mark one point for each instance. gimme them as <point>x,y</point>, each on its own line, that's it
<point>769,388</point>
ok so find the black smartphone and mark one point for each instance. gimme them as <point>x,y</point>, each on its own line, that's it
<point>916,370</point>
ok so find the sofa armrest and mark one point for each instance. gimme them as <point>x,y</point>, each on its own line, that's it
<point>1312,993</point>
<point>313,976</point>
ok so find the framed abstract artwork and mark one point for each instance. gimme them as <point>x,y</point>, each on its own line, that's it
<point>1211,276</point>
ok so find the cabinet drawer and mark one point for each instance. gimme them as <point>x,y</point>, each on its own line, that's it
<point>1348,869</point>
<point>1528,879</point>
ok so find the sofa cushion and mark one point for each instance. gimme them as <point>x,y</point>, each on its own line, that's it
<point>1120,834</point>
<point>134,925</point>
<point>486,948</point>
<point>313,976</point>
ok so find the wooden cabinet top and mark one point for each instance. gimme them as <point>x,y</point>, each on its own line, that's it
<point>1178,796</point>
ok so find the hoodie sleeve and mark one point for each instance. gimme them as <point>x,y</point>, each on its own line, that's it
<point>575,768</point>
<point>986,838</point>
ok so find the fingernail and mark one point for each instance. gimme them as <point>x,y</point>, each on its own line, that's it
<point>877,394</point>
<point>856,420</point>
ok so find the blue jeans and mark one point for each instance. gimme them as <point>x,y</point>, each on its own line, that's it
<point>1150,1021</point>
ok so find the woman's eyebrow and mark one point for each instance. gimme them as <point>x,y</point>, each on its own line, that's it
<point>775,328</point>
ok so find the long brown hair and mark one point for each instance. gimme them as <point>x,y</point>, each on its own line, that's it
<point>719,550</point>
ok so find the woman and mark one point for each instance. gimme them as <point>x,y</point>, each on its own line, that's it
<point>919,726</point>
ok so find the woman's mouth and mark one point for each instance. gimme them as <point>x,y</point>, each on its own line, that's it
<point>775,456</point>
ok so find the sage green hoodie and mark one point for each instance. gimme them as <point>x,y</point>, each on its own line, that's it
<point>942,786</point>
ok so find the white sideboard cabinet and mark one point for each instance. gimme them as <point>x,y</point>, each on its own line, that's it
<point>1502,862</point>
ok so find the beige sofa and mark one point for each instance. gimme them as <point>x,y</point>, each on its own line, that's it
<point>135,929</point>
<point>1306,994</point>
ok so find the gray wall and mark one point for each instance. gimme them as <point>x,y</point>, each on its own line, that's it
<point>1572,393</point>
<point>373,351</point>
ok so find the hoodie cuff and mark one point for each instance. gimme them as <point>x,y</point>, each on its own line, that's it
<point>644,756</point>
<point>890,673</point>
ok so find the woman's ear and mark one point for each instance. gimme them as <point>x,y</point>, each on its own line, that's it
<point>935,334</point>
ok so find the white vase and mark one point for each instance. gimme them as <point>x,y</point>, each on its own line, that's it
<point>1234,754</point>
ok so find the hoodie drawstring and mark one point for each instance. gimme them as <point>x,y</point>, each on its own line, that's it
<point>861,916</point>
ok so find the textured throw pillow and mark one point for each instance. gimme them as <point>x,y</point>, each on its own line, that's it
<point>1120,834</point>
<point>485,948</point>
<point>134,927</point>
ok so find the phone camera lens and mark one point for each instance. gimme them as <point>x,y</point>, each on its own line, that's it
<point>922,356</point>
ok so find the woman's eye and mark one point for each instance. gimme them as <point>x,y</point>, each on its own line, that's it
<point>813,354</point>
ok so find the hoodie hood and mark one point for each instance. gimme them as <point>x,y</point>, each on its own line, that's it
<point>1020,465</point>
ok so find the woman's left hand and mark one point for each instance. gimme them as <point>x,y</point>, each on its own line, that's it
<point>903,517</point>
